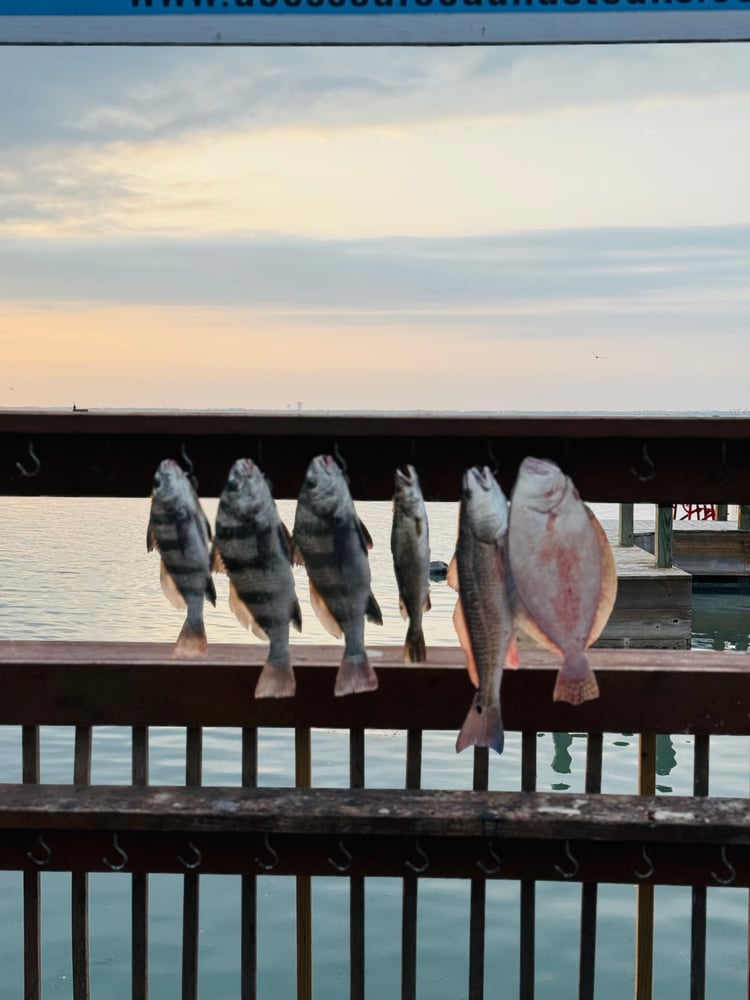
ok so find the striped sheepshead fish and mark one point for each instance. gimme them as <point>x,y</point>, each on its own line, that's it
<point>179,529</point>
<point>332,542</point>
<point>253,547</point>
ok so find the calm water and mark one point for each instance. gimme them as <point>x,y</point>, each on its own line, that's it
<point>78,569</point>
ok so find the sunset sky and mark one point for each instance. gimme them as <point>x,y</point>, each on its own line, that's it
<point>473,229</point>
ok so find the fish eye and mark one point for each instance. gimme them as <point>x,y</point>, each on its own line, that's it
<point>157,482</point>
<point>309,481</point>
<point>468,493</point>
<point>232,484</point>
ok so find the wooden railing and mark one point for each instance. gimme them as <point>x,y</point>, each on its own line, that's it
<point>358,832</point>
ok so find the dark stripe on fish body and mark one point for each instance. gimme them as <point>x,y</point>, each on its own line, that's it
<point>240,564</point>
<point>171,545</point>
<point>235,532</point>
<point>161,520</point>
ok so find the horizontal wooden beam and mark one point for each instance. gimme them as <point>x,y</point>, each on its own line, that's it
<point>453,834</point>
<point>141,684</point>
<point>626,458</point>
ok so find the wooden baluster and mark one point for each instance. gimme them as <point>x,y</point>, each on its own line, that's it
<point>32,952</point>
<point>357,882</point>
<point>410,882</point>
<point>589,890</point>
<point>528,886</point>
<point>79,880</point>
<point>698,916</point>
<point>191,880</point>
<point>478,893</point>
<point>139,882</point>
<point>303,779</point>
<point>249,904</point>
<point>644,928</point>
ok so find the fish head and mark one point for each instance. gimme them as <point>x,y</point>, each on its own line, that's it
<point>325,489</point>
<point>246,491</point>
<point>171,486</point>
<point>540,485</point>
<point>485,504</point>
<point>407,494</point>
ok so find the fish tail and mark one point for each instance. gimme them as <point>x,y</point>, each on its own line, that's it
<point>192,640</point>
<point>483,727</point>
<point>415,650</point>
<point>276,680</point>
<point>575,681</point>
<point>355,676</point>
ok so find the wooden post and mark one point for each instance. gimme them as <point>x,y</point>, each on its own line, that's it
<point>644,928</point>
<point>303,779</point>
<point>743,521</point>
<point>722,512</point>
<point>663,539</point>
<point>626,525</point>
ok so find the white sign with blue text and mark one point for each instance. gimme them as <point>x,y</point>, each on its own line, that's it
<point>369,22</point>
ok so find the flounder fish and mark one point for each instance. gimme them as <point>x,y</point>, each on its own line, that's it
<point>179,529</point>
<point>410,547</point>
<point>253,547</point>
<point>483,617</point>
<point>332,542</point>
<point>563,572</point>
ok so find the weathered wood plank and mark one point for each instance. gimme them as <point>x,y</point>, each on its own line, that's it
<point>527,947</point>
<point>380,812</point>
<point>249,900</point>
<point>409,898</point>
<point>698,909</point>
<point>477,908</point>
<point>589,891</point>
<point>32,949</point>
<point>108,453</point>
<point>625,532</point>
<point>356,883</point>
<point>141,684</point>
<point>644,926</point>
<point>191,881</point>
<point>79,894</point>
<point>303,779</point>
<point>139,886</point>
<point>663,537</point>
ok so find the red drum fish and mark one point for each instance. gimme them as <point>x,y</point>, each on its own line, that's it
<point>563,572</point>
<point>410,547</point>
<point>179,529</point>
<point>483,617</point>
<point>253,547</point>
<point>332,542</point>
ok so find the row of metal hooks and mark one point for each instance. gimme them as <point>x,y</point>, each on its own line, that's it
<point>343,863</point>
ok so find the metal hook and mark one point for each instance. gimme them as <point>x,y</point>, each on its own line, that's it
<point>576,866</point>
<point>37,464</point>
<point>418,868</point>
<point>191,865</point>
<point>345,867</point>
<point>274,856</point>
<point>729,868</point>
<point>496,867</point>
<point>340,461</point>
<point>40,862</point>
<point>189,467</point>
<point>113,867</point>
<point>651,474</point>
<point>649,871</point>
<point>494,467</point>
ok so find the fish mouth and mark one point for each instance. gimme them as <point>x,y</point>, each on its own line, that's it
<point>406,476</point>
<point>537,466</point>
<point>482,476</point>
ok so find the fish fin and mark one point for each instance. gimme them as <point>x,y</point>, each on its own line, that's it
<point>323,613</point>
<point>402,608</point>
<point>511,653</point>
<point>207,524</point>
<point>372,610</point>
<point>364,534</point>
<point>276,681</point>
<point>191,641</point>
<point>287,545</point>
<point>211,591</point>
<point>575,681</point>
<point>243,614</point>
<point>462,631</point>
<point>296,617</point>
<point>427,606</point>
<point>169,587</point>
<point>530,627</point>
<point>483,727</point>
<point>608,591</point>
<point>151,542</point>
<point>354,677</point>
<point>216,560</point>
<point>415,650</point>
<point>451,577</point>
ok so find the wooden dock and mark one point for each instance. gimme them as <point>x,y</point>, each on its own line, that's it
<point>705,549</point>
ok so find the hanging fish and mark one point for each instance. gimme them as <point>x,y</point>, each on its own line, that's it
<point>483,617</point>
<point>333,543</point>
<point>179,529</point>
<point>563,572</point>
<point>410,546</point>
<point>253,547</point>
